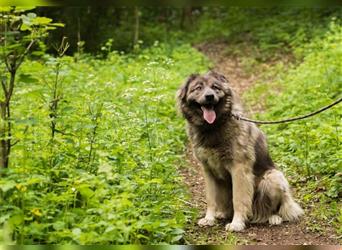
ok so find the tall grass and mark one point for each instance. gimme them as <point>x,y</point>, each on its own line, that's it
<point>109,176</point>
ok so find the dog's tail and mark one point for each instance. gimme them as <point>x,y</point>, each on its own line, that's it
<point>289,209</point>
<point>273,196</point>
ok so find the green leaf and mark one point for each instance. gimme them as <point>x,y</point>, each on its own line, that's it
<point>31,15</point>
<point>19,9</point>
<point>85,191</point>
<point>77,232</point>
<point>59,225</point>
<point>27,78</point>
<point>176,238</point>
<point>25,27</point>
<point>16,220</point>
<point>41,21</point>
<point>5,8</point>
<point>57,24</point>
<point>6,185</point>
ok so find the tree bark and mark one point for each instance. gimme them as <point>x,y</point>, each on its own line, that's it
<point>136,27</point>
<point>186,17</point>
<point>3,135</point>
<point>6,126</point>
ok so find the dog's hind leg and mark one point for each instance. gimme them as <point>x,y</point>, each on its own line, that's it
<point>274,201</point>
<point>275,220</point>
<point>289,210</point>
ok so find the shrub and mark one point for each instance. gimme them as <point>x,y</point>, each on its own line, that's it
<point>110,174</point>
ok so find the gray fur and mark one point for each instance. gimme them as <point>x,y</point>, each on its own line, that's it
<point>234,152</point>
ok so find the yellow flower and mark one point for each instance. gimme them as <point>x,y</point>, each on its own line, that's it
<point>37,212</point>
<point>21,188</point>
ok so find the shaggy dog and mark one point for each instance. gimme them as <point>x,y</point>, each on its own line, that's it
<point>241,180</point>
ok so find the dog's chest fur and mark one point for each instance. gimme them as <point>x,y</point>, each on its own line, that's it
<point>213,161</point>
<point>217,150</point>
<point>214,150</point>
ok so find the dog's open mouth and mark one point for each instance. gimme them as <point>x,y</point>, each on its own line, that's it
<point>209,113</point>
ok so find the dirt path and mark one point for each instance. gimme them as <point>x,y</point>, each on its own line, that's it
<point>285,234</point>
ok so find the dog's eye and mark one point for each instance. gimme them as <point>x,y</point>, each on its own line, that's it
<point>199,87</point>
<point>216,87</point>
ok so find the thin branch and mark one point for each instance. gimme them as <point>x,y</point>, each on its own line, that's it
<point>63,133</point>
<point>4,86</point>
<point>64,49</point>
<point>27,50</point>
<point>14,143</point>
<point>6,63</point>
<point>11,86</point>
<point>4,48</point>
<point>57,99</point>
<point>18,140</point>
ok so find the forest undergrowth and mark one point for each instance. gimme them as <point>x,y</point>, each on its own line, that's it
<point>96,142</point>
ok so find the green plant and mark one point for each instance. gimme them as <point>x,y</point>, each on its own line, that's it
<point>56,86</point>
<point>19,33</point>
<point>113,177</point>
<point>99,143</point>
<point>309,151</point>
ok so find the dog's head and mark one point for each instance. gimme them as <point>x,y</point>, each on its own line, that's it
<point>205,99</point>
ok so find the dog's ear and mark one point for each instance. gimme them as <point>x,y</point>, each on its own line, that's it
<point>218,76</point>
<point>181,93</point>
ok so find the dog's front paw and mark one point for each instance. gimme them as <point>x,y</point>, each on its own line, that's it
<point>275,220</point>
<point>235,226</point>
<point>205,222</point>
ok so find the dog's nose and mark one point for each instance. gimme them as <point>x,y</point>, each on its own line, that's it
<point>209,98</point>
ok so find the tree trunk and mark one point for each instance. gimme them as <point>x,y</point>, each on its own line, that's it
<point>78,31</point>
<point>3,135</point>
<point>6,126</point>
<point>136,27</point>
<point>186,17</point>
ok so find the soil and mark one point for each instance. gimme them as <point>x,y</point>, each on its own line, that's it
<point>260,234</point>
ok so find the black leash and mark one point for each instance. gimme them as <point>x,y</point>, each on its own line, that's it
<point>239,117</point>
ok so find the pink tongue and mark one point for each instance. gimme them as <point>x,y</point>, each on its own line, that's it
<point>208,114</point>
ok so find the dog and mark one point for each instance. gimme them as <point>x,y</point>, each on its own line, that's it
<point>242,182</point>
